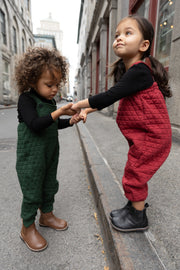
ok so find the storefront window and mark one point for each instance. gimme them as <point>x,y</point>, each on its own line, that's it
<point>164,30</point>
<point>143,10</point>
<point>3,27</point>
<point>23,45</point>
<point>14,40</point>
<point>27,4</point>
<point>6,86</point>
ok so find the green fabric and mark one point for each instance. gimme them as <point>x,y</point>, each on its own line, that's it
<point>37,161</point>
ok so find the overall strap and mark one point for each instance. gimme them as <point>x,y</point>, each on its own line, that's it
<point>43,107</point>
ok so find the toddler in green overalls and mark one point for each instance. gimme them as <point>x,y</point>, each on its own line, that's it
<point>38,75</point>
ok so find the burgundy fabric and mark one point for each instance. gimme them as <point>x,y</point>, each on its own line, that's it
<point>143,119</point>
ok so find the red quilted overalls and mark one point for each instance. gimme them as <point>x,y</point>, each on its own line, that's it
<point>143,119</point>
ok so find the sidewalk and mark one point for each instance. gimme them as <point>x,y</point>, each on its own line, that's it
<point>105,151</point>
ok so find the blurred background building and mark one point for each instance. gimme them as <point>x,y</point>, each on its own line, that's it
<point>96,31</point>
<point>49,35</point>
<point>46,41</point>
<point>49,27</point>
<point>15,37</point>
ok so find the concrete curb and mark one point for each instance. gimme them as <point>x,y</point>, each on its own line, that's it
<point>127,251</point>
<point>175,134</point>
<point>3,107</point>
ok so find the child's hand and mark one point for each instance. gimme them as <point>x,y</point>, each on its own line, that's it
<point>67,109</point>
<point>75,119</point>
<point>83,115</point>
<point>76,108</point>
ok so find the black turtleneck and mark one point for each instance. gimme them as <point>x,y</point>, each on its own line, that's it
<point>137,78</point>
<point>27,113</point>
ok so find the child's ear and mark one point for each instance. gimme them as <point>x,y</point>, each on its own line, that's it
<point>144,46</point>
<point>33,85</point>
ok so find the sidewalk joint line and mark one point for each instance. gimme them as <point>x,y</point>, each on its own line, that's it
<point>155,251</point>
<point>107,164</point>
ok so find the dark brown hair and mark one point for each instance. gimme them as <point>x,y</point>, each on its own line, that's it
<point>34,62</point>
<point>158,71</point>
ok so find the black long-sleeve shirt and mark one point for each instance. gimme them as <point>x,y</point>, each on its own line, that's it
<point>27,113</point>
<point>137,78</point>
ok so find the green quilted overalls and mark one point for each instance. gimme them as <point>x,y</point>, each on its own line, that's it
<point>37,161</point>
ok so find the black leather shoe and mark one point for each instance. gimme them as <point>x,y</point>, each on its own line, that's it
<point>131,220</point>
<point>117,212</point>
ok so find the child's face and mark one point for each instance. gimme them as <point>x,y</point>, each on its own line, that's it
<point>129,42</point>
<point>47,86</point>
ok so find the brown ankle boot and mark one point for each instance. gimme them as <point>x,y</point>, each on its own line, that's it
<point>32,238</point>
<point>49,220</point>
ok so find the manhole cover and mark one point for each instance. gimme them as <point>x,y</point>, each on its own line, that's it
<point>7,145</point>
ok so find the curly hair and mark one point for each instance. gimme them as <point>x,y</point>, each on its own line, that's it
<point>34,62</point>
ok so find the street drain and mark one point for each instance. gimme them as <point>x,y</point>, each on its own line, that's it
<point>6,145</point>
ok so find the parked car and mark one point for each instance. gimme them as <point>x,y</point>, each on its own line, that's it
<point>69,99</point>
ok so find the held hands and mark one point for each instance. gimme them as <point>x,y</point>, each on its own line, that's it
<point>67,109</point>
<point>79,116</point>
<point>75,119</point>
<point>75,110</point>
<point>83,115</point>
<point>64,110</point>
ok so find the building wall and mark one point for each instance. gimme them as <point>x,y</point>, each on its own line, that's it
<point>84,64</point>
<point>17,19</point>
<point>95,47</point>
<point>174,70</point>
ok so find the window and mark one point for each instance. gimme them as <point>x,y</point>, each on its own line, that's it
<point>164,30</point>
<point>143,10</point>
<point>140,7</point>
<point>30,43</point>
<point>3,27</point>
<point>5,78</point>
<point>97,67</point>
<point>14,40</point>
<point>27,4</point>
<point>107,54</point>
<point>23,45</point>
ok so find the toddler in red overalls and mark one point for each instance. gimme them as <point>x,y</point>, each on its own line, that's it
<point>142,116</point>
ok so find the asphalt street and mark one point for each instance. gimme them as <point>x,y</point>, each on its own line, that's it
<point>81,246</point>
